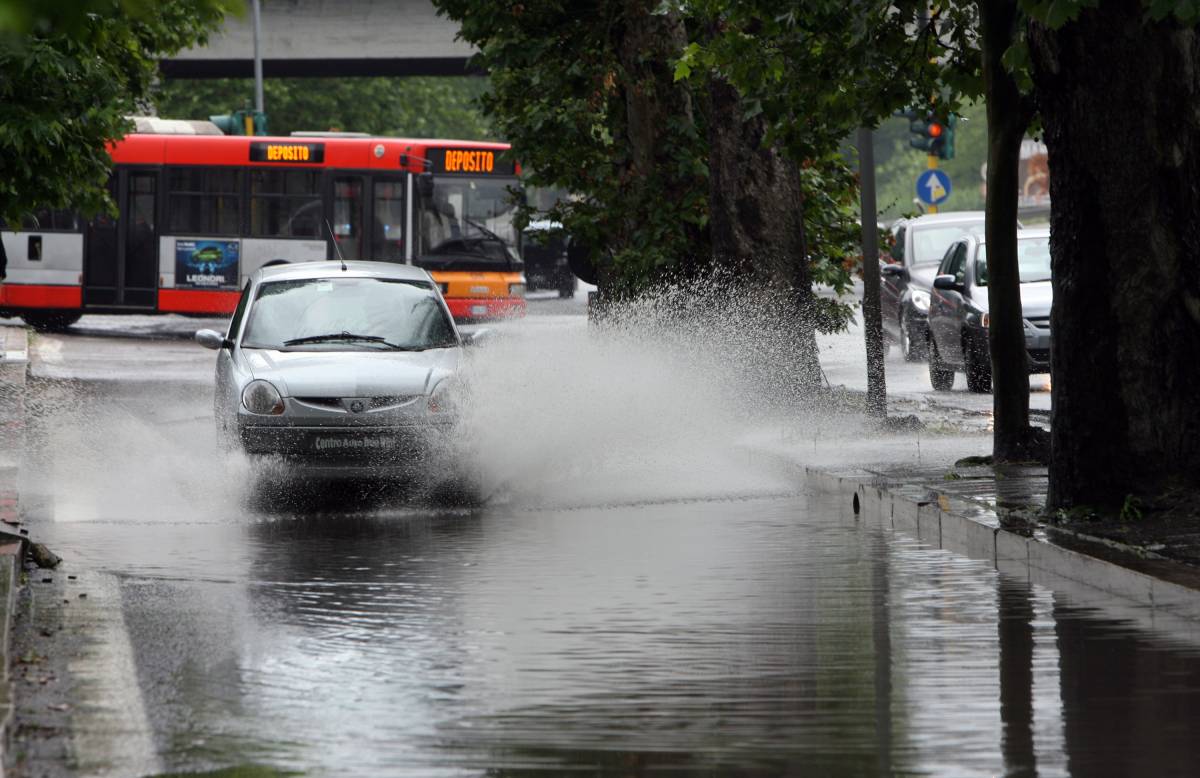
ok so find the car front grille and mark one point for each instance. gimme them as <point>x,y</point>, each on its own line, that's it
<point>378,402</point>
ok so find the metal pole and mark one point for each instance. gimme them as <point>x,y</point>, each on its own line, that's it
<point>258,77</point>
<point>872,316</point>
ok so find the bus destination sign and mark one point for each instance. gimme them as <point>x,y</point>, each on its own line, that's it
<point>485,161</point>
<point>300,153</point>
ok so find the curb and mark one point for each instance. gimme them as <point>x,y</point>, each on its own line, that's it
<point>970,529</point>
<point>11,553</point>
<point>14,370</point>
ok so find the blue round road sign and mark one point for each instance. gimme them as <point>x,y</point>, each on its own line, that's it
<point>933,187</point>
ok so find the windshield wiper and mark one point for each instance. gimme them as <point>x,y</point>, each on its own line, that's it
<point>347,336</point>
<point>486,231</point>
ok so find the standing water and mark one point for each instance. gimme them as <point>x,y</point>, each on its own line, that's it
<point>644,593</point>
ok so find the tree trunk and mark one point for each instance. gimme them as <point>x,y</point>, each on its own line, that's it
<point>659,118</point>
<point>1118,99</point>
<point>871,305</point>
<point>1008,118</point>
<point>757,220</point>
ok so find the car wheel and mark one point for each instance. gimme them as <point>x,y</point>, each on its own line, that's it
<point>909,346</point>
<point>941,377</point>
<point>979,370</point>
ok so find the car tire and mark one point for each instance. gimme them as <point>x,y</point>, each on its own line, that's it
<point>978,369</point>
<point>940,376</point>
<point>909,346</point>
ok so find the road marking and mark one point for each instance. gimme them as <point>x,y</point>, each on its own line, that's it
<point>111,732</point>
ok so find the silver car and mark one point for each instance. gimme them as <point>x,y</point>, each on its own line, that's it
<point>958,310</point>
<point>342,368</point>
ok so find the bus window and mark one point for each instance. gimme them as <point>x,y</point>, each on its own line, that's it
<point>203,201</point>
<point>141,253</point>
<point>348,216</point>
<point>470,220</point>
<point>51,220</point>
<point>387,239</point>
<point>285,204</point>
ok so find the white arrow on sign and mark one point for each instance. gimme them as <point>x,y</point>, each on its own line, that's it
<point>936,190</point>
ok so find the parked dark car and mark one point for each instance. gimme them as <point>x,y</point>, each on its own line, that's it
<point>958,311</point>
<point>544,247</point>
<point>905,283</point>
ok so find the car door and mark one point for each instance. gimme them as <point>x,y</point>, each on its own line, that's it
<point>941,305</point>
<point>954,307</point>
<point>892,283</point>
<point>225,398</point>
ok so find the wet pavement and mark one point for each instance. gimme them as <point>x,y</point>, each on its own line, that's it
<point>615,615</point>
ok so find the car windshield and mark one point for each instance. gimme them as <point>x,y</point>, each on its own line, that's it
<point>930,243</point>
<point>1033,261</point>
<point>467,224</point>
<point>348,314</point>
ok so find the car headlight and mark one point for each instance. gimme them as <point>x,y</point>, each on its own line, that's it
<point>516,290</point>
<point>262,398</point>
<point>920,300</point>
<point>443,400</point>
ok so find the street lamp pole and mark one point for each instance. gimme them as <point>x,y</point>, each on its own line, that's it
<point>258,70</point>
<point>872,314</point>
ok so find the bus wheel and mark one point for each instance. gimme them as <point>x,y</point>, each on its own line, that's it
<point>51,321</point>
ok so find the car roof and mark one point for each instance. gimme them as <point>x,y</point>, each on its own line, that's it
<point>944,218</point>
<point>329,268</point>
<point>1025,232</point>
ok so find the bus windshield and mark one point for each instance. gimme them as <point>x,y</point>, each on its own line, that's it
<point>467,224</point>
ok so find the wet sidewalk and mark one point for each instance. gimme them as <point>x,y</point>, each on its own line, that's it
<point>998,513</point>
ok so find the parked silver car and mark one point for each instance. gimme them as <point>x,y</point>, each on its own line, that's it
<point>343,368</point>
<point>958,310</point>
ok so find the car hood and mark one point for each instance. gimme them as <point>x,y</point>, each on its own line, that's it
<point>352,373</point>
<point>921,276</point>
<point>1035,299</point>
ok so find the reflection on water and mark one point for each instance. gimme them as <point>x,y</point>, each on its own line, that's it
<point>771,636</point>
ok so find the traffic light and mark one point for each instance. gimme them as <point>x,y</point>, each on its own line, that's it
<point>930,135</point>
<point>241,122</point>
<point>946,148</point>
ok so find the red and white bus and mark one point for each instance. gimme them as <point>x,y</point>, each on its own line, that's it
<point>199,213</point>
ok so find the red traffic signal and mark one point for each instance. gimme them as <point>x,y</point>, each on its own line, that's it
<point>933,130</point>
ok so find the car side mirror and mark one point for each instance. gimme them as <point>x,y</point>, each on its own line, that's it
<point>948,283</point>
<point>477,338</point>
<point>212,339</point>
<point>890,269</point>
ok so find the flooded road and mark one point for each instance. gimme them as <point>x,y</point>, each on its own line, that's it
<point>711,618</point>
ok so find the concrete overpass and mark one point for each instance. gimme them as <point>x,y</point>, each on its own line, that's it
<point>331,38</point>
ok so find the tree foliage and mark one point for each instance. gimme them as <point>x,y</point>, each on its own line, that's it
<point>819,70</point>
<point>561,93</point>
<point>69,82</point>
<point>416,106</point>
<point>564,92</point>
